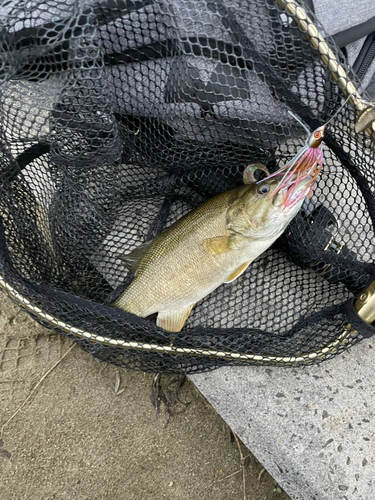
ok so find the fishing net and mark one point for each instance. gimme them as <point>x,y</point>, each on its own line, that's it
<point>119,117</point>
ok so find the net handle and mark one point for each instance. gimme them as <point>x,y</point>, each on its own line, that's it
<point>306,26</point>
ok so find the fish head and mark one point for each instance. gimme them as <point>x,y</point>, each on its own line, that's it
<point>269,210</point>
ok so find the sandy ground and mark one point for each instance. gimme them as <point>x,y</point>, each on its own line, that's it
<point>76,439</point>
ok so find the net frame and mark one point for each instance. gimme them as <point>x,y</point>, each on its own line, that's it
<point>343,339</point>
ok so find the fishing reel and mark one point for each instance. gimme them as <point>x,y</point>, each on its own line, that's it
<point>311,242</point>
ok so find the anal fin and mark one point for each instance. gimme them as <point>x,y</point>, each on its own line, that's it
<point>238,272</point>
<point>174,321</point>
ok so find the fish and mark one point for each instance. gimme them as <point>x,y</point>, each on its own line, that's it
<point>210,245</point>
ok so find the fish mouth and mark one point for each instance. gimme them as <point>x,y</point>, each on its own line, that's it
<point>294,191</point>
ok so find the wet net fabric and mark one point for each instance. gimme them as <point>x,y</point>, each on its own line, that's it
<point>117,118</point>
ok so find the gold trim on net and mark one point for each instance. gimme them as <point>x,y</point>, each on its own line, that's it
<point>331,348</point>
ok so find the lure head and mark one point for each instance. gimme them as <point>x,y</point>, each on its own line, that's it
<point>316,137</point>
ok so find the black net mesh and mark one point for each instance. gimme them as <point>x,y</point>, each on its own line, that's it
<point>119,117</point>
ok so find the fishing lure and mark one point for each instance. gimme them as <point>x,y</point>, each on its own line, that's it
<point>308,162</point>
<point>249,172</point>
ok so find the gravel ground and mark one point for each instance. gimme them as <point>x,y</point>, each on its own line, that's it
<point>76,438</point>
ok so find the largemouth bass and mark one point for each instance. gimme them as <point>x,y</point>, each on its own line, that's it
<point>211,245</point>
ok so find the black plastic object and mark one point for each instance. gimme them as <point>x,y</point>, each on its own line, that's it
<point>118,117</point>
<point>310,240</point>
<point>365,56</point>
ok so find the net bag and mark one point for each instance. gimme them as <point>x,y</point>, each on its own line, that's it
<point>118,117</point>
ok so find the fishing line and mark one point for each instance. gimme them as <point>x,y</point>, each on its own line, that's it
<point>300,122</point>
<point>291,163</point>
<point>332,117</point>
<point>341,107</point>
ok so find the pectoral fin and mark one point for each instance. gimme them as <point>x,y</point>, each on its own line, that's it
<point>238,272</point>
<point>131,260</point>
<point>174,321</point>
<point>224,244</point>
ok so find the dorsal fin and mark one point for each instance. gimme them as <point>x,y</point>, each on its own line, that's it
<point>131,260</point>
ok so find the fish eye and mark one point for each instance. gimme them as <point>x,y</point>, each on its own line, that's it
<point>264,189</point>
<point>317,135</point>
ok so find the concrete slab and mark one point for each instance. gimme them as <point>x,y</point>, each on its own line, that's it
<point>313,428</point>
